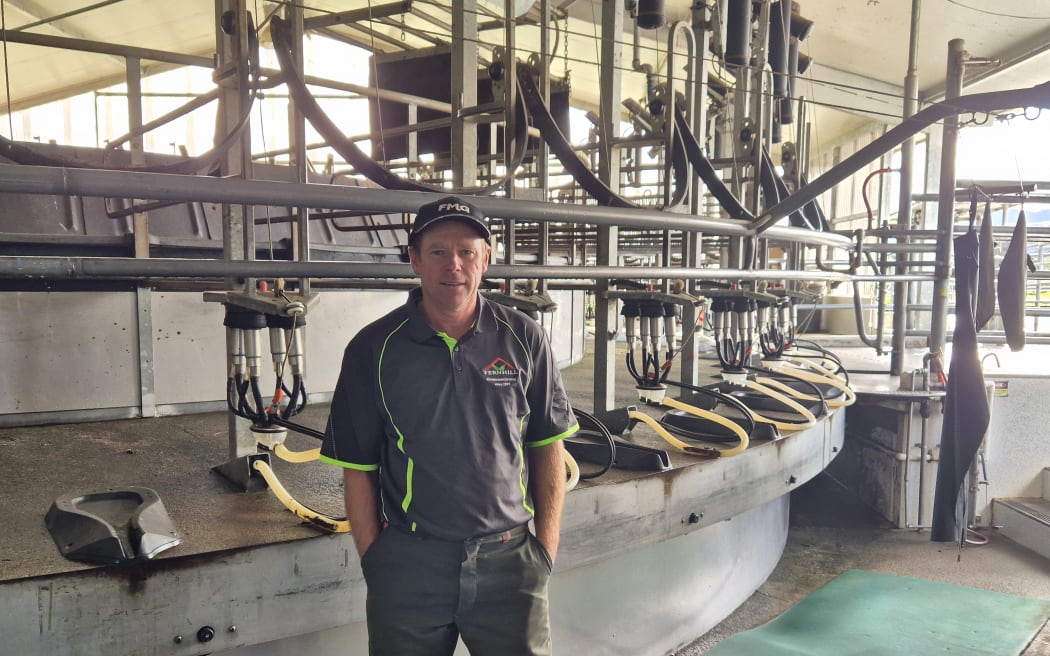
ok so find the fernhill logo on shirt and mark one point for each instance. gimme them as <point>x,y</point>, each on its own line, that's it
<point>499,372</point>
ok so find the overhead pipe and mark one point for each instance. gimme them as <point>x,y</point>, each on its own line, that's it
<point>738,33</point>
<point>88,268</point>
<point>165,186</point>
<point>93,268</point>
<point>357,15</point>
<point>1037,96</point>
<point>102,48</point>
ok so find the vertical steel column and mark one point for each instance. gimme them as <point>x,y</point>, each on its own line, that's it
<point>140,221</point>
<point>542,163</point>
<point>464,155</point>
<point>510,86</point>
<point>605,309</point>
<point>692,242</point>
<point>238,222</point>
<point>687,361</point>
<point>297,123</point>
<point>901,290</point>
<point>946,200</point>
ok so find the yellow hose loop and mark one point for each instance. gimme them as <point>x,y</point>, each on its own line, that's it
<point>573,468</point>
<point>286,454</point>
<point>786,389</point>
<point>737,430</point>
<point>825,363</point>
<point>317,519</point>
<point>798,408</point>
<point>671,439</point>
<point>705,452</point>
<point>824,367</point>
<point>797,372</point>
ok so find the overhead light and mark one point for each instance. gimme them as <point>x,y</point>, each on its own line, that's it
<point>804,61</point>
<point>801,27</point>
<point>650,14</point>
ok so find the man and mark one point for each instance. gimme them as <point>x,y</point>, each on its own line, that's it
<point>447,419</point>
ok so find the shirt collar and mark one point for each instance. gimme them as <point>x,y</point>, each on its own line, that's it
<point>420,331</point>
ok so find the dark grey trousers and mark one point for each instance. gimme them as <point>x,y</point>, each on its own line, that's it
<point>424,593</point>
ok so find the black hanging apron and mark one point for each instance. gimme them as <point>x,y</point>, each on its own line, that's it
<point>966,410</point>
<point>986,272</point>
<point>1013,279</point>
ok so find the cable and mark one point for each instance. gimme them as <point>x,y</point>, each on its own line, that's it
<point>348,150</point>
<point>978,539</point>
<point>600,428</point>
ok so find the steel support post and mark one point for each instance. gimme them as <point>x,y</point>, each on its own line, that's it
<point>606,319</point>
<point>946,204</point>
<point>238,223</point>
<point>692,242</point>
<point>297,125</point>
<point>510,91</point>
<point>688,364</point>
<point>464,92</point>
<point>901,290</point>
<point>140,226</point>
<point>542,163</point>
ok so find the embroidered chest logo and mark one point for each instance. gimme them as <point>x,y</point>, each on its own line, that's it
<point>500,373</point>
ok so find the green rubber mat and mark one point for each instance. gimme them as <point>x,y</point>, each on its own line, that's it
<point>874,614</point>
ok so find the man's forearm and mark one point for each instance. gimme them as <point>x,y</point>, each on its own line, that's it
<point>547,484</point>
<point>361,493</point>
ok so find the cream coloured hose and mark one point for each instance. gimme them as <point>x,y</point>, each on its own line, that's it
<point>315,518</point>
<point>284,453</point>
<point>808,419</point>
<point>573,469</point>
<point>707,452</point>
<point>820,376</point>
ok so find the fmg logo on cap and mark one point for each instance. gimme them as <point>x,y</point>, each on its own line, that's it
<point>454,207</point>
<point>500,373</point>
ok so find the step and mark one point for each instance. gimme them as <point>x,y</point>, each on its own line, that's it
<point>1026,521</point>
<point>1046,482</point>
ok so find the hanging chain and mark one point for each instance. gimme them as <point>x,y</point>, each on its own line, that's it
<point>565,47</point>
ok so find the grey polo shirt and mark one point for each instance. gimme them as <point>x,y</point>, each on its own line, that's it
<point>446,423</point>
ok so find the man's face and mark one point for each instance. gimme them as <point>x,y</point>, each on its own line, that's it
<point>450,260</point>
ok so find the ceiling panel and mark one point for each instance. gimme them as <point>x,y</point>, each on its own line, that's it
<point>863,39</point>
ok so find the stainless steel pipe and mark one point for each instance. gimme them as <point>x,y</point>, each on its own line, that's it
<point>163,186</point>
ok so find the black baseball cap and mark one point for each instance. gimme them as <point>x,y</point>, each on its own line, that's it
<point>450,207</point>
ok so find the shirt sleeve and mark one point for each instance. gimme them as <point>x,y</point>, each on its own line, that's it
<point>355,428</point>
<point>550,414</point>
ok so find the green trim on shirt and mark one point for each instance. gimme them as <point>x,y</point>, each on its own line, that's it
<point>348,465</point>
<point>550,440</point>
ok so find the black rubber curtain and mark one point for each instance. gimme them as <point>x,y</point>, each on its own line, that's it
<point>1013,278</point>
<point>985,271</point>
<point>966,412</point>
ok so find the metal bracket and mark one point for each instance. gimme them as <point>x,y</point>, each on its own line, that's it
<point>240,472</point>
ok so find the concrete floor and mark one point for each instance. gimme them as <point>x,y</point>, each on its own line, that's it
<point>831,532</point>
